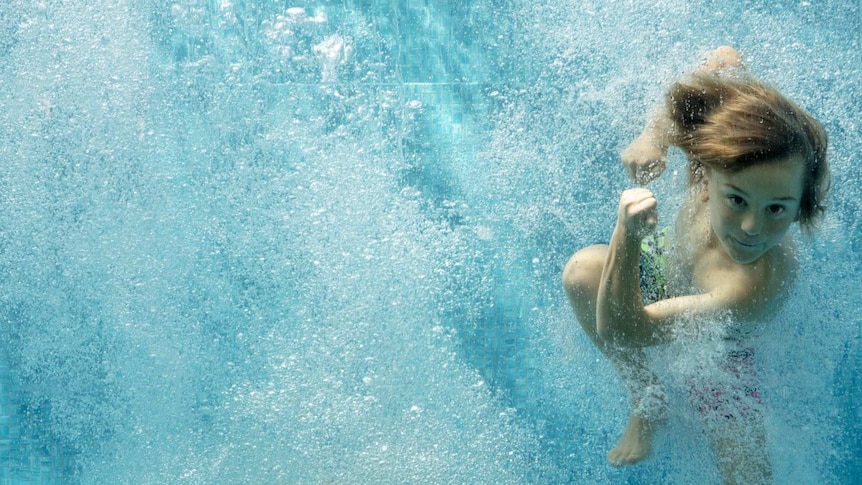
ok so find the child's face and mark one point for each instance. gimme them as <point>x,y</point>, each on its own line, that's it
<point>751,210</point>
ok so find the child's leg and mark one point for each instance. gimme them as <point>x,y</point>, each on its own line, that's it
<point>730,404</point>
<point>581,279</point>
<point>739,445</point>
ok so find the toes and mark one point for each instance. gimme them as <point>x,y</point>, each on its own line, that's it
<point>631,458</point>
<point>617,458</point>
<point>624,457</point>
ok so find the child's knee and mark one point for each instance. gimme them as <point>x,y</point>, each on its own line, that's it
<point>583,272</point>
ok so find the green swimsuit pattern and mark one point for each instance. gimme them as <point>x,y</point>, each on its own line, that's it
<point>653,267</point>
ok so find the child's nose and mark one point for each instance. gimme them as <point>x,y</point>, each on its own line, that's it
<point>752,223</point>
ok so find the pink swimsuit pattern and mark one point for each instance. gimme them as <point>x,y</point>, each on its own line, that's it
<point>735,393</point>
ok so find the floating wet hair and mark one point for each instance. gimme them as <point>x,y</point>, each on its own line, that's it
<point>731,123</point>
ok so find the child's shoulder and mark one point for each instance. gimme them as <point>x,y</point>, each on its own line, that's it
<point>759,288</point>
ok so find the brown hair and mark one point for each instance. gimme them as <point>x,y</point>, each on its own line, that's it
<point>730,123</point>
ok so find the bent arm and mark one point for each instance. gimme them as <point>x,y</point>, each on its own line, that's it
<point>645,158</point>
<point>622,318</point>
<point>620,313</point>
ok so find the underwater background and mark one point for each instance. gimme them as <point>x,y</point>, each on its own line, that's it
<point>269,242</point>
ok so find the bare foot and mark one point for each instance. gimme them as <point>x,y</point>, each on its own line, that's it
<point>722,59</point>
<point>635,443</point>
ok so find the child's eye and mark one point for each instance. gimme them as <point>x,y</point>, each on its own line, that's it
<point>776,209</point>
<point>735,200</point>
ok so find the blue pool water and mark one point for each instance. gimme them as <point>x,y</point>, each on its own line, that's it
<point>273,242</point>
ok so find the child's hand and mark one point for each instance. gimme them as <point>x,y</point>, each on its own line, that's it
<point>638,212</point>
<point>644,159</point>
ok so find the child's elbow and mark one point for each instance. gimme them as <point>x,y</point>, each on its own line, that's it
<point>612,335</point>
<point>619,337</point>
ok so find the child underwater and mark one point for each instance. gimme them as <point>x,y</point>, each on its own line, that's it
<point>756,165</point>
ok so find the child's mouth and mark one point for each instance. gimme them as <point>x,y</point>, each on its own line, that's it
<point>744,244</point>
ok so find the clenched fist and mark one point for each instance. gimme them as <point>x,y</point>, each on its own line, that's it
<point>637,213</point>
<point>644,159</point>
